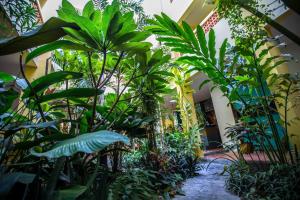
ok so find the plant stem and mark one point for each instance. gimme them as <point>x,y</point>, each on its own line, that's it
<point>91,68</point>
<point>30,87</point>
<point>267,111</point>
<point>51,184</point>
<point>286,122</point>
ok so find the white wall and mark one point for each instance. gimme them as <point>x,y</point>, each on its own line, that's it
<point>223,111</point>
<point>50,7</point>
<point>222,32</point>
<point>174,10</point>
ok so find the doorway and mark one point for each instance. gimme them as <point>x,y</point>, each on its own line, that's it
<point>212,138</point>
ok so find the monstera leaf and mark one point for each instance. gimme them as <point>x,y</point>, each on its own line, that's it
<point>87,143</point>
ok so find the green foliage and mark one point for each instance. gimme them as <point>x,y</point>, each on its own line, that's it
<point>242,26</point>
<point>22,14</point>
<point>71,93</point>
<point>8,92</point>
<point>181,148</point>
<point>171,164</point>
<point>9,180</point>
<point>128,6</point>
<point>151,84</point>
<point>250,27</point>
<point>238,72</point>
<point>198,52</point>
<point>135,184</point>
<point>140,184</point>
<point>41,84</point>
<point>5,78</point>
<point>71,193</point>
<point>66,117</point>
<point>6,99</point>
<point>103,30</point>
<point>153,76</point>
<point>87,143</point>
<point>60,44</point>
<point>48,32</point>
<point>278,182</point>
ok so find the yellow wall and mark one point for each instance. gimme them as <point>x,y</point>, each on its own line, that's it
<point>33,72</point>
<point>294,127</point>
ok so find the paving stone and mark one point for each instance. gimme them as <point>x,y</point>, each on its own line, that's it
<point>208,185</point>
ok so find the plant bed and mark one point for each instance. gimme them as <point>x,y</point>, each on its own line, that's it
<point>280,181</point>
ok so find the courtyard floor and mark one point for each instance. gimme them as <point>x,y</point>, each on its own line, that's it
<point>209,184</point>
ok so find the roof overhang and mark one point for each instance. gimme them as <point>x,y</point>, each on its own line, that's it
<point>197,12</point>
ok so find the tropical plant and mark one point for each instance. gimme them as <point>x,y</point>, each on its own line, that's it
<point>264,184</point>
<point>234,72</point>
<point>184,91</point>
<point>151,84</point>
<point>251,26</point>
<point>128,6</point>
<point>60,109</point>
<point>135,184</point>
<point>22,14</point>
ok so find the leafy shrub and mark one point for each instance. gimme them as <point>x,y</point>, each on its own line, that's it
<point>135,184</point>
<point>278,182</point>
<point>144,184</point>
<point>162,170</point>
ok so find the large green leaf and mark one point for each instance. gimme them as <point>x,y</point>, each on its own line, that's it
<point>70,193</point>
<point>71,93</point>
<point>60,44</point>
<point>6,77</point>
<point>202,40</point>
<point>156,57</point>
<point>44,82</point>
<point>81,37</point>
<point>222,54</point>
<point>16,126</point>
<point>212,46</point>
<point>87,143</point>
<point>115,25</point>
<point>48,32</point>
<point>134,47</point>
<point>191,35</point>
<point>7,181</point>
<point>48,138</point>
<point>88,9</point>
<point>108,15</point>
<point>133,36</point>
<point>28,125</point>
<point>68,13</point>
<point>6,99</point>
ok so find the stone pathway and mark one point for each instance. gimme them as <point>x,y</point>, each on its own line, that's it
<point>208,185</point>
